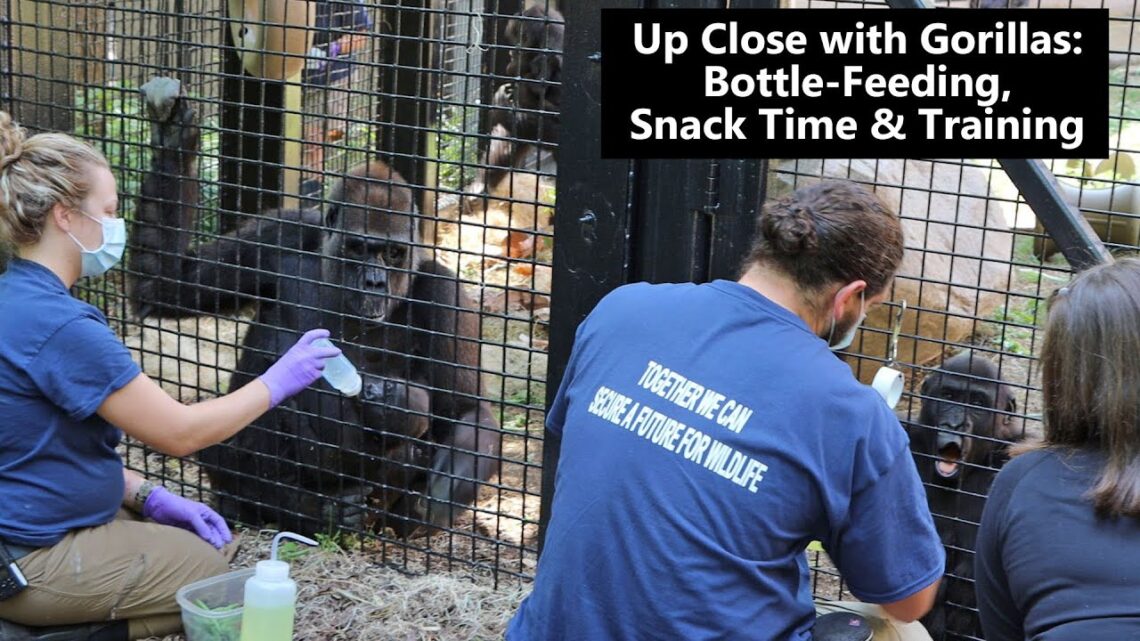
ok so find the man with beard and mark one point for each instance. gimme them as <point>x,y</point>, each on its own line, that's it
<point>709,433</point>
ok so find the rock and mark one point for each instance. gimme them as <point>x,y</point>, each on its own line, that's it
<point>956,266</point>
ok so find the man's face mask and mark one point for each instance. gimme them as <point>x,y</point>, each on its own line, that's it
<point>96,262</point>
<point>846,340</point>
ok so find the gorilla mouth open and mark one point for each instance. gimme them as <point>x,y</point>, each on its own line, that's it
<point>948,458</point>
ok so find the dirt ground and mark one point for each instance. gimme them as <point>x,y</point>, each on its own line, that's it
<point>351,595</point>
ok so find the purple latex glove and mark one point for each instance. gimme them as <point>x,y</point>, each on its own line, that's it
<point>170,509</point>
<point>299,368</point>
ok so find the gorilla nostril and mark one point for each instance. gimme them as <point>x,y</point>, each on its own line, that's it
<point>946,439</point>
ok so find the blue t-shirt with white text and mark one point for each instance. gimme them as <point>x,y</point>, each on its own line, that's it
<point>59,361</point>
<point>707,437</point>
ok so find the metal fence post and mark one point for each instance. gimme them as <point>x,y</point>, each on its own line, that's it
<point>592,220</point>
<point>620,221</point>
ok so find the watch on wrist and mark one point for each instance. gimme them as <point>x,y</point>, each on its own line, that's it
<point>141,494</point>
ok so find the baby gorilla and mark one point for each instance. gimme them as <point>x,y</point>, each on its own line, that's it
<point>959,445</point>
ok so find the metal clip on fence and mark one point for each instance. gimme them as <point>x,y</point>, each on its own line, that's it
<point>896,330</point>
<point>889,381</point>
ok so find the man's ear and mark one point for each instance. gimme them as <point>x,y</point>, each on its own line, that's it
<point>845,295</point>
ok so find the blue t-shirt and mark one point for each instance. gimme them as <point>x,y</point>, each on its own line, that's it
<point>707,437</point>
<point>59,361</point>
<point>1047,568</point>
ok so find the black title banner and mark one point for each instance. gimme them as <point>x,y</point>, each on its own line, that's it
<point>803,83</point>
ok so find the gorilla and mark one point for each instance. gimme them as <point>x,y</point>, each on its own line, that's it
<point>959,444</point>
<point>525,111</point>
<point>417,441</point>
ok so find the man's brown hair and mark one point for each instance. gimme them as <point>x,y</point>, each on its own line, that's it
<point>830,232</point>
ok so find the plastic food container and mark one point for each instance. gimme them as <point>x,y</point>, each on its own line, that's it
<point>211,608</point>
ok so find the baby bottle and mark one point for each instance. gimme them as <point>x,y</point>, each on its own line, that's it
<point>340,373</point>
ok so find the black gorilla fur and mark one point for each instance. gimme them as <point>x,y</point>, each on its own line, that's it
<point>959,446</point>
<point>418,439</point>
<point>525,111</point>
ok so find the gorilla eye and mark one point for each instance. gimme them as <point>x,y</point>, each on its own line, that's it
<point>355,246</point>
<point>394,254</point>
<point>980,399</point>
<point>947,393</point>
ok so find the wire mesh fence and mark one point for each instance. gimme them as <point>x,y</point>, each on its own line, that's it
<point>462,98</point>
<point>258,209</point>
<point>977,273</point>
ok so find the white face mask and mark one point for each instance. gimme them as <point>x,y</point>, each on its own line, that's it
<point>845,341</point>
<point>96,262</point>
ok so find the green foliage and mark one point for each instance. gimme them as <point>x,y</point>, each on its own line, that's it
<point>223,625</point>
<point>111,119</point>
<point>456,151</point>
<point>1123,101</point>
<point>513,420</point>
<point>519,396</point>
<point>330,543</point>
<point>288,551</point>
<point>337,541</point>
<point>1017,323</point>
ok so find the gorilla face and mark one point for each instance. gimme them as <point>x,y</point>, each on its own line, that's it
<point>959,418</point>
<point>369,254</point>
<point>373,270</point>
<point>536,30</point>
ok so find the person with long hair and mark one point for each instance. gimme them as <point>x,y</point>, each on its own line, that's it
<point>1056,547</point>
<point>92,550</point>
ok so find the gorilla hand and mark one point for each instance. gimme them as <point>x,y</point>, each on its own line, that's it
<point>347,510</point>
<point>461,463</point>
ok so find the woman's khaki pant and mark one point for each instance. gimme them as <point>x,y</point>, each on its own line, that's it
<point>127,569</point>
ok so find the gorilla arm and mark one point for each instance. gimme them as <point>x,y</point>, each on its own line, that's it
<point>525,111</point>
<point>168,277</point>
<point>464,426</point>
